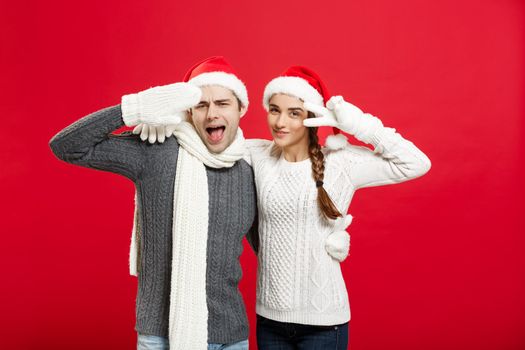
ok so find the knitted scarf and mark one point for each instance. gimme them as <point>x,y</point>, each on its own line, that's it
<point>188,316</point>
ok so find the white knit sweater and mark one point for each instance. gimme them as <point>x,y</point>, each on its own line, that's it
<point>297,280</point>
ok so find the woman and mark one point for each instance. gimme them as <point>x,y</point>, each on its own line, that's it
<point>303,191</point>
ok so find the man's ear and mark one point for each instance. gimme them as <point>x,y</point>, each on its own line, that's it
<point>189,116</point>
<point>243,111</point>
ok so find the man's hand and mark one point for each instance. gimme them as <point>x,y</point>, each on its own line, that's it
<point>337,243</point>
<point>161,105</point>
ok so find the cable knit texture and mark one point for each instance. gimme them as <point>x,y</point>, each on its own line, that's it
<point>298,281</point>
<point>152,168</point>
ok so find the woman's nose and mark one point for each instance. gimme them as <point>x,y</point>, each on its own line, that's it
<point>280,122</point>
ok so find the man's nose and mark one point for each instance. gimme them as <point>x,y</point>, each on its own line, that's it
<point>213,112</point>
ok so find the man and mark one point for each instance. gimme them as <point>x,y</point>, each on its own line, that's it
<point>195,201</point>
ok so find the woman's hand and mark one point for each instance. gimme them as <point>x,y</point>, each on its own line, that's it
<point>154,133</point>
<point>344,116</point>
<point>338,113</point>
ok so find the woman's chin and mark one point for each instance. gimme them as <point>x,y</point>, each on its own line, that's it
<point>280,142</point>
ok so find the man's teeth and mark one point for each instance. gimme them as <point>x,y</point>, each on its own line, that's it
<point>210,129</point>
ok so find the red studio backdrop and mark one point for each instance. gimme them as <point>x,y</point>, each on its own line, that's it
<point>436,263</point>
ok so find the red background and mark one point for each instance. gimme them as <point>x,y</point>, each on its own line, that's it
<point>436,263</point>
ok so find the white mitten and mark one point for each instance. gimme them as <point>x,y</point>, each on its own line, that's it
<point>161,105</point>
<point>337,244</point>
<point>154,133</point>
<point>345,116</point>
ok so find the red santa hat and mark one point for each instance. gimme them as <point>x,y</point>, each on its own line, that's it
<point>217,71</point>
<point>300,82</point>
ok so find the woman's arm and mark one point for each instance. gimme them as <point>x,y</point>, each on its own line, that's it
<point>393,160</point>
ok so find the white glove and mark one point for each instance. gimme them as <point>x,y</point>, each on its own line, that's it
<point>345,116</point>
<point>154,133</point>
<point>160,105</point>
<point>337,244</point>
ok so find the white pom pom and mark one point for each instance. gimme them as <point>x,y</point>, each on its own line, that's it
<point>336,142</point>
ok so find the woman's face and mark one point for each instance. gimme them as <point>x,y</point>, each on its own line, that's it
<point>285,119</point>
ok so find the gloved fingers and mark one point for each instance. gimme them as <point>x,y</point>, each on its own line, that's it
<point>342,223</point>
<point>348,220</point>
<point>170,129</point>
<point>152,137</point>
<point>138,129</point>
<point>144,132</point>
<point>338,105</point>
<point>334,101</point>
<point>319,121</point>
<point>319,111</point>
<point>161,133</point>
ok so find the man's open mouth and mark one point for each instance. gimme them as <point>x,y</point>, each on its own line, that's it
<point>215,134</point>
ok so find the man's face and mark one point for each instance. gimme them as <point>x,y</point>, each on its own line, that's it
<point>216,117</point>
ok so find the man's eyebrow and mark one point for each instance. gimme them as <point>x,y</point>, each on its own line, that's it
<point>222,100</point>
<point>203,102</point>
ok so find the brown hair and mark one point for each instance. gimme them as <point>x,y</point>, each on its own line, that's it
<point>327,207</point>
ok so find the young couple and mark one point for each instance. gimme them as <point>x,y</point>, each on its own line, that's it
<point>200,192</point>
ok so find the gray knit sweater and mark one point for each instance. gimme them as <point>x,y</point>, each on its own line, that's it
<point>232,211</point>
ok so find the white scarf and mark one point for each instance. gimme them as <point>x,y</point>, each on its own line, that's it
<point>188,316</point>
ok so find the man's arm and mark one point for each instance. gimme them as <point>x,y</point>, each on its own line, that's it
<point>253,235</point>
<point>88,142</point>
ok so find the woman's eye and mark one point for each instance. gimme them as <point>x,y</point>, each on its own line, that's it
<point>274,111</point>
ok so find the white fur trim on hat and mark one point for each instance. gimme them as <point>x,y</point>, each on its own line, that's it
<point>335,142</point>
<point>223,79</point>
<point>294,86</point>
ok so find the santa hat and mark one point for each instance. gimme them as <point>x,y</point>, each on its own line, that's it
<point>216,71</point>
<point>301,82</point>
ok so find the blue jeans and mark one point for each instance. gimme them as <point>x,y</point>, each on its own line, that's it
<point>240,345</point>
<point>152,342</point>
<point>274,335</point>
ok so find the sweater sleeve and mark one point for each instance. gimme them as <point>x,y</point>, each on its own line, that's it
<point>253,235</point>
<point>393,160</point>
<point>88,142</point>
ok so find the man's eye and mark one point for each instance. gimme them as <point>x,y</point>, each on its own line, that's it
<point>200,106</point>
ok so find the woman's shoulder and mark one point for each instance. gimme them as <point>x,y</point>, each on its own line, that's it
<point>257,145</point>
<point>257,149</point>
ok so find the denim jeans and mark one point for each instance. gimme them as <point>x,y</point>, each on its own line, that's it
<point>274,335</point>
<point>240,345</point>
<point>152,342</point>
